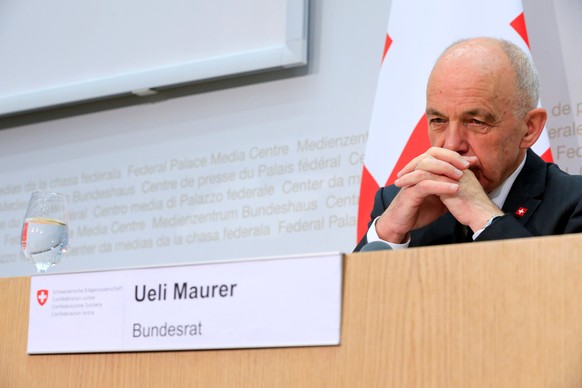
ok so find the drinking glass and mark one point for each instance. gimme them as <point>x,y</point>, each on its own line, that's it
<point>45,232</point>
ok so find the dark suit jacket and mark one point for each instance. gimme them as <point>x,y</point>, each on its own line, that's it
<point>549,198</point>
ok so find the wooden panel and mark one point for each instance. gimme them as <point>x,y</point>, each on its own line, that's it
<point>484,314</point>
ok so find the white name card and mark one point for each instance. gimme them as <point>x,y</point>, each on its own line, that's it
<point>276,302</point>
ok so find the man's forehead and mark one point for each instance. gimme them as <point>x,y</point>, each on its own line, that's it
<point>470,91</point>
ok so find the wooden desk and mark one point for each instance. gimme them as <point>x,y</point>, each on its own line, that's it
<point>499,314</point>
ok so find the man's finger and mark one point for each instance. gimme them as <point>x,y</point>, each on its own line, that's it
<point>438,153</point>
<point>433,187</point>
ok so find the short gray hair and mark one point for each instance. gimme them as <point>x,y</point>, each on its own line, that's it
<point>526,77</point>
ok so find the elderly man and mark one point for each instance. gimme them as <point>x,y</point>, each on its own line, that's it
<point>479,180</point>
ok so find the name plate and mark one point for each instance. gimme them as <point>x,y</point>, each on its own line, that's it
<point>294,301</point>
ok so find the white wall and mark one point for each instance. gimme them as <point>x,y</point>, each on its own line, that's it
<point>269,125</point>
<point>554,28</point>
<point>301,137</point>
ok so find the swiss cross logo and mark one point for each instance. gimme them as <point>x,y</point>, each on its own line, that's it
<point>521,212</point>
<point>42,296</point>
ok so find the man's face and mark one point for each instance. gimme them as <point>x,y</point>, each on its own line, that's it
<point>471,110</point>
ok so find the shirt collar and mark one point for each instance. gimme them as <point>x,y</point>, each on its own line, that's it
<point>499,195</point>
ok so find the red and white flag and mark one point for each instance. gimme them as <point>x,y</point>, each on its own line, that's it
<point>418,31</point>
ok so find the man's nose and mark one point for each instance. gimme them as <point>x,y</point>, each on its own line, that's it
<point>455,138</point>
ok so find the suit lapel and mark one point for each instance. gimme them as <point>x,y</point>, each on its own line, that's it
<point>527,190</point>
<point>445,230</point>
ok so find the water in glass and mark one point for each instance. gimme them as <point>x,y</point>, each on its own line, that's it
<point>45,231</point>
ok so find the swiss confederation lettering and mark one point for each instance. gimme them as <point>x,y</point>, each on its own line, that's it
<point>182,290</point>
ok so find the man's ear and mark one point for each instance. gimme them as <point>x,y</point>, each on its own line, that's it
<point>535,120</point>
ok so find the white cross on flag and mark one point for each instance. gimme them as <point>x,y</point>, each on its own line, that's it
<point>418,31</point>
